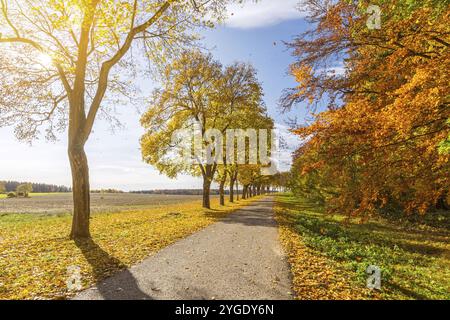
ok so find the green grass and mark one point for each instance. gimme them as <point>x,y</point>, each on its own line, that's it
<point>414,259</point>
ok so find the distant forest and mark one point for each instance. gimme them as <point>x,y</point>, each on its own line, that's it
<point>37,187</point>
<point>195,192</point>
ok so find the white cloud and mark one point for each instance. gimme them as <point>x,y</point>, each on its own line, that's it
<point>263,13</point>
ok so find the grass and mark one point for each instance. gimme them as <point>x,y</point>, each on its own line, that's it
<point>414,259</point>
<point>35,251</point>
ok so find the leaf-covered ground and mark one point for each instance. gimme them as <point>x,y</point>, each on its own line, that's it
<point>35,251</point>
<point>329,258</point>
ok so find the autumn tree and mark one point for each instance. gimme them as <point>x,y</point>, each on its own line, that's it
<point>248,174</point>
<point>24,190</point>
<point>221,178</point>
<point>379,142</point>
<point>65,62</point>
<point>198,92</point>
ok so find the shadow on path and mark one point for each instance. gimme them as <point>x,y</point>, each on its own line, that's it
<point>253,215</point>
<point>101,263</point>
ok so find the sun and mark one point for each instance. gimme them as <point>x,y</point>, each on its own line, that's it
<point>45,60</point>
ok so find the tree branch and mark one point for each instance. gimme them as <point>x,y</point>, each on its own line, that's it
<point>107,65</point>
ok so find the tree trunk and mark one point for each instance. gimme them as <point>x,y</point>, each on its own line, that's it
<point>208,172</point>
<point>258,190</point>
<point>80,191</point>
<point>237,190</point>
<point>206,191</point>
<point>231,189</point>
<point>222,190</point>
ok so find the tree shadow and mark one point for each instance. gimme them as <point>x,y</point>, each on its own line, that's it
<point>122,285</point>
<point>407,292</point>
<point>388,234</point>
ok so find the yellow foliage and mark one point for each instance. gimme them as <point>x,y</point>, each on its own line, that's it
<point>35,252</point>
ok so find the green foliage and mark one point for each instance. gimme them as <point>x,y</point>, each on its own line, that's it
<point>444,146</point>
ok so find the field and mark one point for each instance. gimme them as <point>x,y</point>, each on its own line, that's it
<point>33,194</point>
<point>331,256</point>
<point>60,203</point>
<point>36,253</point>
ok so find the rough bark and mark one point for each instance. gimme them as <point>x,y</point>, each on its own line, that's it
<point>222,189</point>
<point>81,196</point>
<point>206,191</point>
<point>231,189</point>
<point>208,174</point>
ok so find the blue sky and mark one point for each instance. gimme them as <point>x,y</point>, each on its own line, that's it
<point>254,33</point>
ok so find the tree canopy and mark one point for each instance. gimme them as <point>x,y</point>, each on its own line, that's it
<point>382,140</point>
<point>198,92</point>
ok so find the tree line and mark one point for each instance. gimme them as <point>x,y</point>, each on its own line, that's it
<point>382,144</point>
<point>199,92</point>
<point>11,186</point>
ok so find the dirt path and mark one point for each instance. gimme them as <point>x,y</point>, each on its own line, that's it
<point>236,258</point>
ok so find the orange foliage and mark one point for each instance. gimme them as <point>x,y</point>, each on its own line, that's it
<point>387,114</point>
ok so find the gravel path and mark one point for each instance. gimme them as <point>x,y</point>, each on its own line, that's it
<point>236,258</point>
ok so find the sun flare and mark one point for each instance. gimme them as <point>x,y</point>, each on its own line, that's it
<point>45,60</point>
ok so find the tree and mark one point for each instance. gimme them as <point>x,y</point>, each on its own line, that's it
<point>24,190</point>
<point>221,178</point>
<point>188,99</point>
<point>2,187</point>
<point>196,93</point>
<point>59,59</point>
<point>377,144</point>
<point>248,174</point>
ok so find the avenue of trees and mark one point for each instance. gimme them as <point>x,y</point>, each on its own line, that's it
<point>383,141</point>
<point>197,90</point>
<point>64,63</point>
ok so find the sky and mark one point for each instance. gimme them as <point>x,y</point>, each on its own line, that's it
<point>254,33</point>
